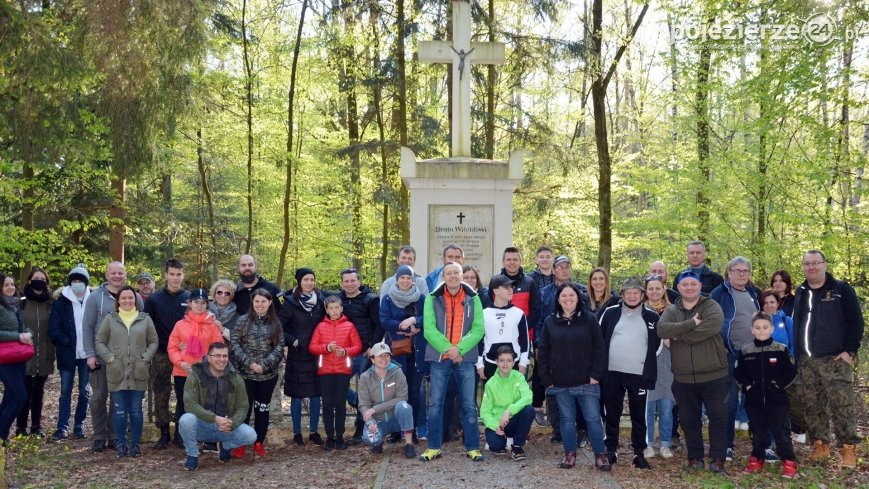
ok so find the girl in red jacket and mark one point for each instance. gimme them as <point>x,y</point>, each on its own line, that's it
<point>336,341</point>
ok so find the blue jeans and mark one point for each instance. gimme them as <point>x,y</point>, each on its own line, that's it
<point>14,395</point>
<point>664,408</point>
<point>401,419</point>
<point>67,377</point>
<point>588,396</point>
<point>296,412</point>
<point>193,430</point>
<point>517,429</point>
<point>466,377</point>
<point>128,403</point>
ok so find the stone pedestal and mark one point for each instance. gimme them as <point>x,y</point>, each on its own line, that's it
<point>467,201</point>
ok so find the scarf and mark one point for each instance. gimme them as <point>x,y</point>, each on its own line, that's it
<point>403,298</point>
<point>127,317</point>
<point>224,314</point>
<point>308,302</point>
<point>40,296</point>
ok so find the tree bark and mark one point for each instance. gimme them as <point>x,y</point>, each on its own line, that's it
<point>490,90</point>
<point>289,162</point>
<point>248,92</point>
<point>117,217</point>
<point>211,256</point>
<point>702,114</point>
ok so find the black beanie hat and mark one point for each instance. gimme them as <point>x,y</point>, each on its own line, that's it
<point>301,272</point>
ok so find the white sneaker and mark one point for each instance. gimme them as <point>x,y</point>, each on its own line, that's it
<point>743,426</point>
<point>666,453</point>
<point>649,452</point>
<point>801,438</point>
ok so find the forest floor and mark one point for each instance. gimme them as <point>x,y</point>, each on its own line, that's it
<point>33,463</point>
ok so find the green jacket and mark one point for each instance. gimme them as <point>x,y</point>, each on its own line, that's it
<point>127,353</point>
<point>434,325</point>
<point>697,350</point>
<point>36,320</point>
<point>196,390</point>
<point>8,325</point>
<point>511,392</point>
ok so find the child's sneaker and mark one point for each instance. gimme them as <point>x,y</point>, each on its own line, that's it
<point>666,452</point>
<point>754,466</point>
<point>789,469</point>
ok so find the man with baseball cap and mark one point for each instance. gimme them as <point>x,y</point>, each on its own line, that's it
<point>145,282</point>
<point>699,363</point>
<point>383,402</point>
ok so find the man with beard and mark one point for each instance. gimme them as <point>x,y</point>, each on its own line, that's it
<point>249,282</point>
<point>147,285</point>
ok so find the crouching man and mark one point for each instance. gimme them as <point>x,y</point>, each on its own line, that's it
<point>216,404</point>
<point>383,402</point>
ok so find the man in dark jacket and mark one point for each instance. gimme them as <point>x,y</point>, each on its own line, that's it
<point>631,343</point>
<point>543,275</point>
<point>828,327</point>
<point>362,308</point>
<point>166,307</point>
<point>700,375</point>
<point>216,402</point>
<point>249,282</point>
<point>696,252</point>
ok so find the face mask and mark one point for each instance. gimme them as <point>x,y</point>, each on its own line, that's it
<point>78,287</point>
<point>38,284</point>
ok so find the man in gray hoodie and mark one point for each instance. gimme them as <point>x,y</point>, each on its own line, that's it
<point>99,304</point>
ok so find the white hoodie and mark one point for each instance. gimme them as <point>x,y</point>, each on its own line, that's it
<point>78,314</point>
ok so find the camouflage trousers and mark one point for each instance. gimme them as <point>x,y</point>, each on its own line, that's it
<point>826,390</point>
<point>161,382</point>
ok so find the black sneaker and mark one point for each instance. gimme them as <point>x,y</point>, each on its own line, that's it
<point>298,440</point>
<point>695,464</point>
<point>223,455</point>
<point>612,457</point>
<point>79,433</point>
<point>377,449</point>
<point>37,432</point>
<point>409,451</point>
<point>315,438</point>
<point>135,450</point>
<point>121,450</point>
<point>59,435</point>
<point>192,463</point>
<point>517,454</point>
<point>340,444</point>
<point>111,444</point>
<point>99,446</point>
<point>209,446</point>
<point>330,444</point>
<point>640,462</point>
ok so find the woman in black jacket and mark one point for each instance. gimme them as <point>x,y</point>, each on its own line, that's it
<point>302,311</point>
<point>571,361</point>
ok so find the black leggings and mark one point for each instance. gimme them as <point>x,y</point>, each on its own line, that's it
<point>178,383</point>
<point>35,392</point>
<point>333,390</point>
<point>259,398</point>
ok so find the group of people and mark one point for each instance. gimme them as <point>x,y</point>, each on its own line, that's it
<point>678,353</point>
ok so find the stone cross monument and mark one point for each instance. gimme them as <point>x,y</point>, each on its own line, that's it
<point>462,200</point>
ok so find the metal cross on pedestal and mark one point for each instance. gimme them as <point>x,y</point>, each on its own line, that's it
<point>461,53</point>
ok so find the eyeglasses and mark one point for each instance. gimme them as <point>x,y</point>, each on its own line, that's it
<point>812,263</point>
<point>222,292</point>
<point>740,271</point>
<point>219,356</point>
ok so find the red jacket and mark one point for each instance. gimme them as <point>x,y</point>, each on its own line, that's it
<point>196,332</point>
<point>344,334</point>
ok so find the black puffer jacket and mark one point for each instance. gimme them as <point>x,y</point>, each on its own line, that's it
<point>836,323</point>
<point>571,350</point>
<point>364,312</point>
<point>300,379</point>
<point>255,346</point>
<point>764,369</point>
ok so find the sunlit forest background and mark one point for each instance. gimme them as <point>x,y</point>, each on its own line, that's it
<point>202,129</point>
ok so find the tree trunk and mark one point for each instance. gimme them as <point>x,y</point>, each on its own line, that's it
<point>168,215</point>
<point>702,114</point>
<point>674,109</point>
<point>27,204</point>
<point>212,255</point>
<point>288,185</point>
<point>248,92</point>
<point>117,217</point>
<point>490,90</point>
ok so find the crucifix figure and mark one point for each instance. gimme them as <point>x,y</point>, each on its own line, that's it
<point>461,53</point>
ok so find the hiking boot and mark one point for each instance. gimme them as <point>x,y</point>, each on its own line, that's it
<point>640,462</point>
<point>568,461</point>
<point>601,461</point>
<point>409,451</point>
<point>377,449</point>
<point>717,467</point>
<point>135,450</point>
<point>848,455</point>
<point>315,438</point>
<point>99,446</point>
<point>754,466</point>
<point>260,449</point>
<point>192,463</point>
<point>819,450</point>
<point>163,441</point>
<point>430,454</point>
<point>789,469</point>
<point>475,455</point>
<point>517,453</point>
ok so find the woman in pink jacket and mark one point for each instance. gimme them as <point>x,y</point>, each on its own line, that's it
<point>189,342</point>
